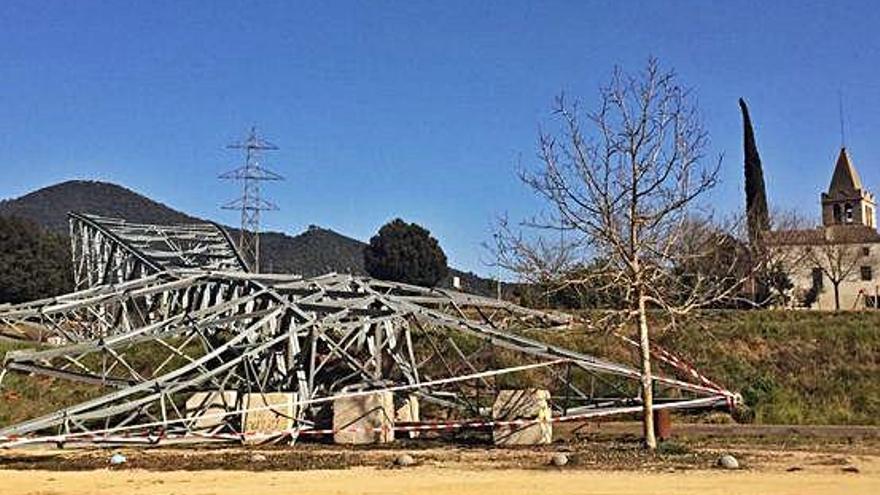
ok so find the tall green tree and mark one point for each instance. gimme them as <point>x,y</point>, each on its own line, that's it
<point>405,252</point>
<point>34,263</point>
<point>757,211</point>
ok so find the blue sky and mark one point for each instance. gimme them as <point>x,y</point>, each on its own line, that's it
<point>413,109</point>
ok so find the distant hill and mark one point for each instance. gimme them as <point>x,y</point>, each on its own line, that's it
<point>313,252</point>
<point>49,206</point>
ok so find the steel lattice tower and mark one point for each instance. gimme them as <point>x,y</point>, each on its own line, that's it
<point>250,203</point>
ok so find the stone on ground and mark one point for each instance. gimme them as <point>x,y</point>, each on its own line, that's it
<point>728,461</point>
<point>404,460</point>
<point>559,460</point>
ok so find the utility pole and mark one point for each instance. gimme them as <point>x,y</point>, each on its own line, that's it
<point>250,203</point>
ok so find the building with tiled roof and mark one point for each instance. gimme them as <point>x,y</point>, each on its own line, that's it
<point>836,265</point>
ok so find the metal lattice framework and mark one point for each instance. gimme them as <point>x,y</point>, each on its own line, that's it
<point>251,203</point>
<point>147,345</point>
<point>111,250</point>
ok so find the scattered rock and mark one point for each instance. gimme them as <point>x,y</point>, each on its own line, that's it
<point>117,459</point>
<point>849,469</point>
<point>728,461</point>
<point>559,460</point>
<point>404,460</point>
<point>258,458</point>
<point>794,468</point>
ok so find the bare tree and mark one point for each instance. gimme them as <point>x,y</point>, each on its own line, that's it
<point>835,252</point>
<point>623,183</point>
<point>836,261</point>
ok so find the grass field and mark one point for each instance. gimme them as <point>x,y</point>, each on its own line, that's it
<point>792,367</point>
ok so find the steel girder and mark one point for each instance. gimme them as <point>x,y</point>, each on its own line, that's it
<point>111,250</point>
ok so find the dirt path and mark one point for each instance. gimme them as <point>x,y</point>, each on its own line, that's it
<point>791,464</point>
<point>433,480</point>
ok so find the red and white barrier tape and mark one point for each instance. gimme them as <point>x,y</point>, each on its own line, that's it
<point>13,441</point>
<point>680,364</point>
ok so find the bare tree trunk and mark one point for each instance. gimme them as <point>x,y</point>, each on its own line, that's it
<point>836,296</point>
<point>647,378</point>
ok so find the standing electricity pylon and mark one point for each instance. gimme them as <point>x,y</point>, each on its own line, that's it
<point>250,203</point>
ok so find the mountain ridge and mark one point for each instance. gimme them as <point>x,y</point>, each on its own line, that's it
<point>313,252</point>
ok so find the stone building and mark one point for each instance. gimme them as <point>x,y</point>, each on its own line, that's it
<point>836,265</point>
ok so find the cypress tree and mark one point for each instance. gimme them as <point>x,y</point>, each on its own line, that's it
<point>757,212</point>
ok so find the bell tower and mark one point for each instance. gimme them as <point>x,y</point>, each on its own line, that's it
<point>847,202</point>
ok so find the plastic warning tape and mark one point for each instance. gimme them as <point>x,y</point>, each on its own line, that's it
<point>11,441</point>
<point>680,364</point>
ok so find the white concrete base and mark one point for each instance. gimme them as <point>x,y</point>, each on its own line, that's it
<point>275,413</point>
<point>208,408</point>
<point>527,404</point>
<point>364,419</point>
<point>408,412</point>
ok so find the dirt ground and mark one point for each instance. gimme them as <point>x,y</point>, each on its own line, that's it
<point>433,480</point>
<point>611,462</point>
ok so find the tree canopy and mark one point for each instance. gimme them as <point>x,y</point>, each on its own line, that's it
<point>34,263</point>
<point>405,252</point>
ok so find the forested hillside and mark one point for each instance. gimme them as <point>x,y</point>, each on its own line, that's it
<point>49,206</point>
<point>34,263</point>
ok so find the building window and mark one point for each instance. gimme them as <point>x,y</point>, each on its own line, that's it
<point>866,251</point>
<point>867,273</point>
<point>838,214</point>
<point>817,278</point>
<point>871,302</point>
<point>848,213</point>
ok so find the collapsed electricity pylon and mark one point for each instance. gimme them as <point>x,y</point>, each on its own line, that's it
<point>172,352</point>
<point>251,203</point>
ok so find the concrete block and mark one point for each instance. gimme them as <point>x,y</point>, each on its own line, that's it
<point>525,404</point>
<point>364,419</point>
<point>210,408</point>
<point>267,414</point>
<point>408,412</point>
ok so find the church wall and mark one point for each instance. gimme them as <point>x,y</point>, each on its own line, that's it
<point>852,289</point>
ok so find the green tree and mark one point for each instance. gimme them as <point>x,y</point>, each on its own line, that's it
<point>778,282</point>
<point>757,212</point>
<point>405,252</point>
<point>34,263</point>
